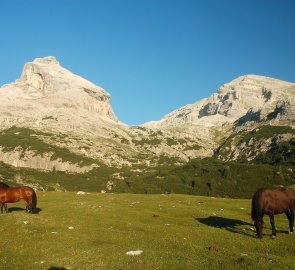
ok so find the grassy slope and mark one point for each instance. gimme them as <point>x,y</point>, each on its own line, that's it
<point>174,232</point>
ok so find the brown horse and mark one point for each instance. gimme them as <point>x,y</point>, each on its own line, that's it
<point>15,194</point>
<point>271,202</point>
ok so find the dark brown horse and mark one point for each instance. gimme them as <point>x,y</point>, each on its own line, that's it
<point>271,202</point>
<point>15,194</point>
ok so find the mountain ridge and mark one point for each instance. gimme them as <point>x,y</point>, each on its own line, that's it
<point>54,121</point>
<point>232,101</point>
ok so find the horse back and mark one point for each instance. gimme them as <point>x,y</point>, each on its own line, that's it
<point>27,191</point>
<point>10,195</point>
<point>15,194</point>
<point>277,201</point>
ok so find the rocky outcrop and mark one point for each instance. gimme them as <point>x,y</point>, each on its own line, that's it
<point>246,98</point>
<point>238,148</point>
<point>30,159</point>
<point>46,90</point>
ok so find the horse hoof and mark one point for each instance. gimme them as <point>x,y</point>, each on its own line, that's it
<point>272,236</point>
<point>290,232</point>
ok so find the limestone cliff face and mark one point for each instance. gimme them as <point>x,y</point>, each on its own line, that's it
<point>48,78</point>
<point>250,97</point>
<point>29,159</point>
<point>50,98</point>
<point>239,106</point>
<point>46,90</point>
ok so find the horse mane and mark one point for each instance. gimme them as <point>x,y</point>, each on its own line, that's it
<point>256,210</point>
<point>3,185</point>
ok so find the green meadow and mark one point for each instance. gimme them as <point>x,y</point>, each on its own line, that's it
<point>95,231</point>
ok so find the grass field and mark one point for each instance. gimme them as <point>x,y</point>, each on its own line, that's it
<point>94,231</point>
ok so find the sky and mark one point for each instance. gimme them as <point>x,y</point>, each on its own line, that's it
<point>152,56</point>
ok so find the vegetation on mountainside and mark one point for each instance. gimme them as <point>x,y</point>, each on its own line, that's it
<point>278,152</point>
<point>25,139</point>
<point>209,176</point>
<point>153,141</point>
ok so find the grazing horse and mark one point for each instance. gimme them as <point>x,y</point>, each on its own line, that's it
<point>15,194</point>
<point>271,202</point>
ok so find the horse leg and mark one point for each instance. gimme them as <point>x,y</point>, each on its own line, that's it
<point>5,207</point>
<point>291,220</point>
<point>258,225</point>
<point>288,215</point>
<point>272,222</point>
<point>27,206</point>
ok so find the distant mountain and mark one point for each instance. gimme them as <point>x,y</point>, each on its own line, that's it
<point>249,97</point>
<point>58,131</point>
<point>49,95</point>
<point>245,104</point>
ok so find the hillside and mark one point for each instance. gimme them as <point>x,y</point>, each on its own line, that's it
<point>59,132</point>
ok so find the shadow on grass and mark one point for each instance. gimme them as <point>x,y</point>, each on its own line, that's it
<point>15,209</point>
<point>229,224</point>
<point>56,268</point>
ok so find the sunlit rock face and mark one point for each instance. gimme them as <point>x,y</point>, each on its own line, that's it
<point>46,91</point>
<point>72,114</point>
<point>251,95</point>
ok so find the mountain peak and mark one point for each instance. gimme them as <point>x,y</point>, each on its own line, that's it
<point>47,76</point>
<point>256,82</point>
<point>49,60</point>
<point>46,90</point>
<point>235,99</point>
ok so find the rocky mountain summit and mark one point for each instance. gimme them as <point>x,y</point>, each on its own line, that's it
<point>49,98</point>
<point>245,104</point>
<point>48,92</point>
<point>54,120</point>
<point>247,98</point>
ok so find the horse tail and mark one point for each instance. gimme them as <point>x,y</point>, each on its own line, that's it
<point>34,202</point>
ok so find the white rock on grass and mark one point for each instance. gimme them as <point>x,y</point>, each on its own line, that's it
<point>134,252</point>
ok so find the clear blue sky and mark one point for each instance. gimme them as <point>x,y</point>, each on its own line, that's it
<point>152,56</point>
